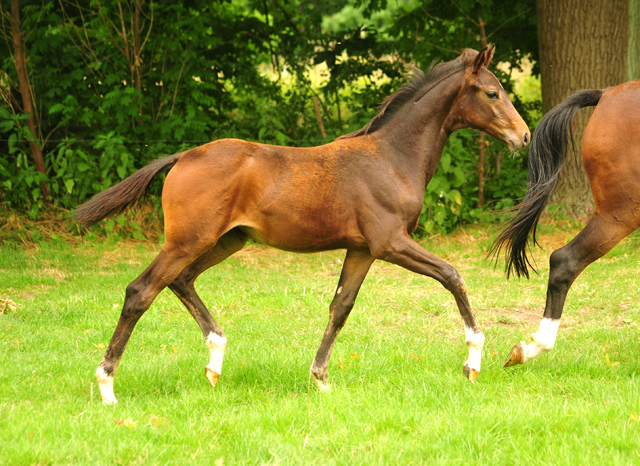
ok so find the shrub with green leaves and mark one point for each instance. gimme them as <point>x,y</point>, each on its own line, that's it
<point>175,75</point>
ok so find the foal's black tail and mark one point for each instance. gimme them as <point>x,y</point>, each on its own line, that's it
<point>546,158</point>
<point>118,197</point>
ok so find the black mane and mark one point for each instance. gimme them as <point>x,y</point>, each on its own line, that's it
<point>418,85</point>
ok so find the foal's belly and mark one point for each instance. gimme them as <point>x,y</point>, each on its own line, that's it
<point>304,237</point>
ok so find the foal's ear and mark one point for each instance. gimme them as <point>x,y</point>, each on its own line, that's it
<point>478,62</point>
<point>490,51</point>
<point>483,59</point>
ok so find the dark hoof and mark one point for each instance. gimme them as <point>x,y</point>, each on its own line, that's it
<point>471,374</point>
<point>516,356</point>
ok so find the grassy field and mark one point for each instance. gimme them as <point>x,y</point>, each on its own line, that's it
<point>398,392</point>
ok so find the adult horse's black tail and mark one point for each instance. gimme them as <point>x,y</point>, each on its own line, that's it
<point>118,197</point>
<point>546,158</point>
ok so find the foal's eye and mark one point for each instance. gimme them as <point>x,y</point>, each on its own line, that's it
<point>492,94</point>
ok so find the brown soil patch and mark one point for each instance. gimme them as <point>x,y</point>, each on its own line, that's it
<point>129,253</point>
<point>509,317</point>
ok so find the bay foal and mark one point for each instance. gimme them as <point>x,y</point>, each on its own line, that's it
<point>363,193</point>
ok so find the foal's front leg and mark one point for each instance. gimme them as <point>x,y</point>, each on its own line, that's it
<point>355,268</point>
<point>405,252</point>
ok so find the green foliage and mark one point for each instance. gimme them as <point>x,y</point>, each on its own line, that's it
<point>240,68</point>
<point>451,198</point>
<point>17,173</point>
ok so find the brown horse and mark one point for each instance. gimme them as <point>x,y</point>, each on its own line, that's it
<point>611,159</point>
<point>363,193</point>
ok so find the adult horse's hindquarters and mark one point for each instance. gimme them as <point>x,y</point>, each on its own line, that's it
<point>611,159</point>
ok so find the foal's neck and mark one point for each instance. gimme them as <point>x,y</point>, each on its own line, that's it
<point>417,134</point>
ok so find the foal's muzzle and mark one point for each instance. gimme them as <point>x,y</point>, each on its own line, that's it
<point>517,141</point>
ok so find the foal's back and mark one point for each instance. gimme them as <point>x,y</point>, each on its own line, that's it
<point>271,191</point>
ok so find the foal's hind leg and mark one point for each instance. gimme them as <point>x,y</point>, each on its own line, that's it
<point>183,287</point>
<point>139,295</point>
<point>355,268</point>
<point>600,235</point>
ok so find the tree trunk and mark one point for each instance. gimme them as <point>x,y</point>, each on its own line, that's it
<point>25,91</point>
<point>316,108</point>
<point>583,45</point>
<point>633,56</point>
<point>137,61</point>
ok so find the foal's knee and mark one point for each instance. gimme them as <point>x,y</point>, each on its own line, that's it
<point>340,309</point>
<point>344,299</point>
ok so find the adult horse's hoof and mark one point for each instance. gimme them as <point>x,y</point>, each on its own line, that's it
<point>516,356</point>
<point>212,376</point>
<point>471,374</point>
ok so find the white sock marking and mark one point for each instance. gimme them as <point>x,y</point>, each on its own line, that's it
<point>475,342</point>
<point>323,386</point>
<point>543,340</point>
<point>105,383</point>
<point>216,345</point>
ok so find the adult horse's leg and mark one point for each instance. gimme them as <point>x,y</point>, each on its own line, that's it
<point>600,235</point>
<point>139,295</point>
<point>183,287</point>
<point>405,252</point>
<point>355,268</point>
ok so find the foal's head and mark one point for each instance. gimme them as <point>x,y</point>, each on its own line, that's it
<point>483,104</point>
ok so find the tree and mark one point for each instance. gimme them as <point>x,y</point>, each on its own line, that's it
<point>584,44</point>
<point>26,90</point>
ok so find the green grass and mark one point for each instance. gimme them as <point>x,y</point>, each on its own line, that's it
<point>398,391</point>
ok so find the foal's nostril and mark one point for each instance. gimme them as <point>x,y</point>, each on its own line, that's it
<point>526,138</point>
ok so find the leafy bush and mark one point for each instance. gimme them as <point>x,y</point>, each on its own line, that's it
<point>242,68</point>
